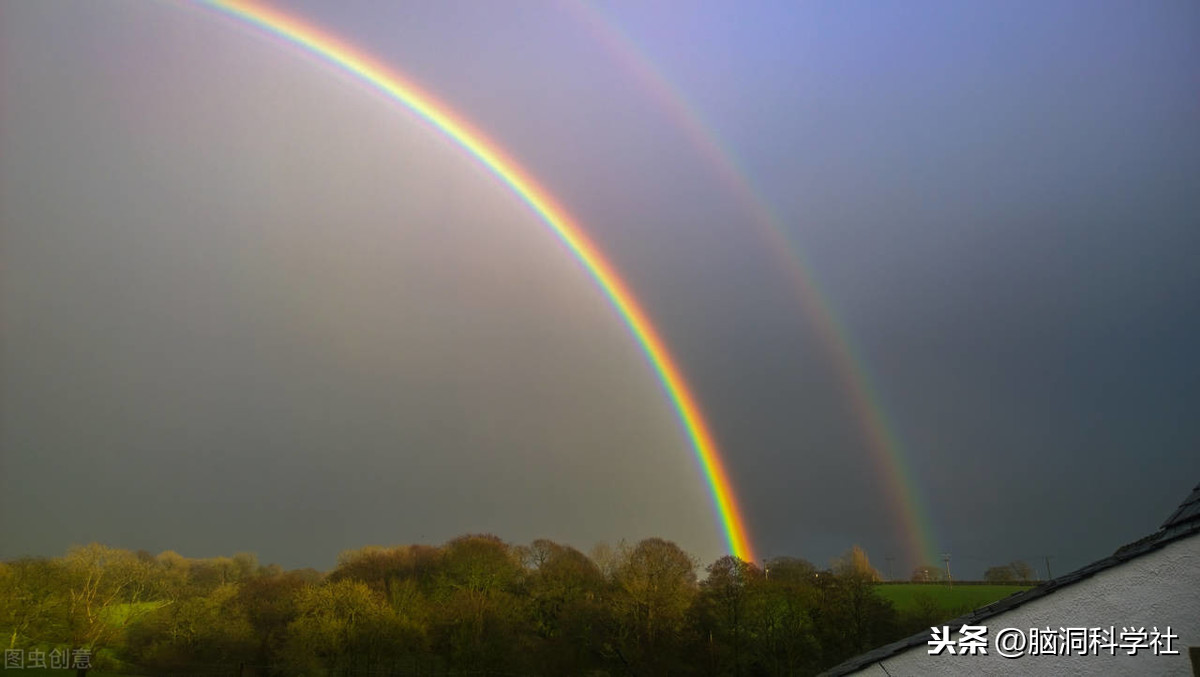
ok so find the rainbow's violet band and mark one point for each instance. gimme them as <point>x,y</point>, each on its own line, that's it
<point>386,81</point>
<point>883,442</point>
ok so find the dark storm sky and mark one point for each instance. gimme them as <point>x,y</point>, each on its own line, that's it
<point>249,305</point>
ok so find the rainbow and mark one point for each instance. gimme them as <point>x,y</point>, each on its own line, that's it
<point>882,441</point>
<point>386,81</point>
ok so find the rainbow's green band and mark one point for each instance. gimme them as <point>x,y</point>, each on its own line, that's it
<point>389,83</point>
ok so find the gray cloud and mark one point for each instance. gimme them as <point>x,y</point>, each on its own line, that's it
<point>250,306</point>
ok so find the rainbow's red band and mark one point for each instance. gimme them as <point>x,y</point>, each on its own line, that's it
<point>389,83</point>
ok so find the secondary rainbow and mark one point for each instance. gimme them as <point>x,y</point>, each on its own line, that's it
<point>882,441</point>
<point>391,84</point>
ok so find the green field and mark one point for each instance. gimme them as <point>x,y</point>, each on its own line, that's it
<point>958,598</point>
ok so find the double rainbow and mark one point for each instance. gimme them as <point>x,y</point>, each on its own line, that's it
<point>881,439</point>
<point>389,83</point>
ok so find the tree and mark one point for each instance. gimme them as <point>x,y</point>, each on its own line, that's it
<point>855,563</point>
<point>269,601</point>
<point>105,588</point>
<point>853,616</point>
<point>654,586</point>
<point>344,626</point>
<point>476,605</point>
<point>924,610</point>
<point>1000,574</point>
<point>565,591</point>
<point>1015,571</point>
<point>208,627</point>
<point>1024,572</point>
<point>784,634</point>
<point>725,601</point>
<point>561,582</point>
<point>607,558</point>
<point>476,609</point>
<point>792,570</point>
<point>32,601</point>
<point>927,573</point>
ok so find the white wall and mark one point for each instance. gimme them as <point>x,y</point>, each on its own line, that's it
<point>1160,588</point>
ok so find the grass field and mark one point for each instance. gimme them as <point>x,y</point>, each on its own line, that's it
<point>910,597</point>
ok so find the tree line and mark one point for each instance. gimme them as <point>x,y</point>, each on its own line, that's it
<point>476,605</point>
<point>1017,572</point>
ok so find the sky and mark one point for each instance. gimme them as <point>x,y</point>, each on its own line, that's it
<point>249,304</point>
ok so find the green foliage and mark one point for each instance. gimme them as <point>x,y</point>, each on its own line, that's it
<point>856,564</point>
<point>728,609</point>
<point>851,616</point>
<point>654,585</point>
<point>1013,572</point>
<point>475,605</point>
<point>927,573</point>
<point>344,626</point>
<point>790,570</point>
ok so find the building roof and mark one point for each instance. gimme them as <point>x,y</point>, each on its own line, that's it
<point>1188,511</point>
<point>1184,522</point>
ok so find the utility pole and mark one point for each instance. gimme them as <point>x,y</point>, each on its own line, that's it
<point>946,559</point>
<point>1048,575</point>
<point>889,563</point>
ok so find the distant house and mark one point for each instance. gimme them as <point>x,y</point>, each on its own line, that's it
<point>1073,625</point>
